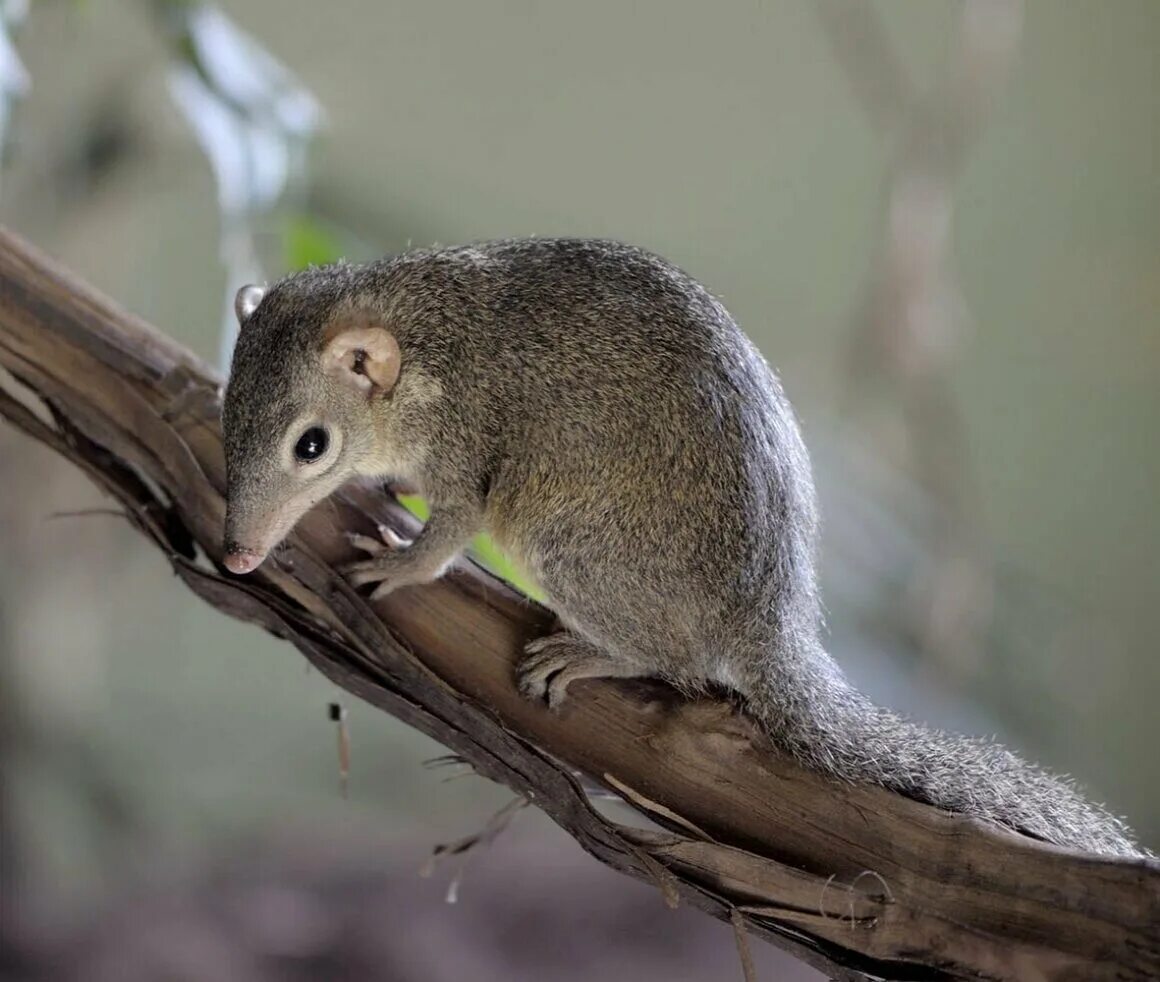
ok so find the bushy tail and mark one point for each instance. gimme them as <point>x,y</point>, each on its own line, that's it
<point>831,727</point>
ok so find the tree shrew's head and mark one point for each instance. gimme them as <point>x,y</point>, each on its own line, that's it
<point>312,373</point>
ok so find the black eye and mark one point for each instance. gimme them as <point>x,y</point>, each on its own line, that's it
<point>312,444</point>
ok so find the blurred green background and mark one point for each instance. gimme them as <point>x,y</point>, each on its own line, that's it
<point>940,222</point>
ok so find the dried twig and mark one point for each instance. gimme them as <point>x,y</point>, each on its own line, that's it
<point>465,847</point>
<point>741,936</point>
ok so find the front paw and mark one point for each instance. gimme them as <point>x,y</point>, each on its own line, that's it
<point>386,565</point>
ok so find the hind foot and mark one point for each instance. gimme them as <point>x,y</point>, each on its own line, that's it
<point>552,663</point>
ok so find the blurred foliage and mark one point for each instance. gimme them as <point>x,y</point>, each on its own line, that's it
<point>254,122</point>
<point>14,80</point>
<point>306,243</point>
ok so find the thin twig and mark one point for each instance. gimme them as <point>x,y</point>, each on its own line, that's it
<point>741,936</point>
<point>464,848</point>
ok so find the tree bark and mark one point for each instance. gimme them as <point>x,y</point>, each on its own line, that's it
<point>856,881</point>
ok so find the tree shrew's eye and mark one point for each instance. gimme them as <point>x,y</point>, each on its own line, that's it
<point>312,444</point>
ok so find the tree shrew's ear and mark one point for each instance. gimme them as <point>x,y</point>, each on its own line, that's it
<point>246,301</point>
<point>362,354</point>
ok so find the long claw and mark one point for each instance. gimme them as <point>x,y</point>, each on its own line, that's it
<point>388,541</point>
<point>366,571</point>
<point>382,590</point>
<point>366,543</point>
<point>392,538</point>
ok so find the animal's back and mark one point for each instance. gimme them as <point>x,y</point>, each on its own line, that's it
<point>654,434</point>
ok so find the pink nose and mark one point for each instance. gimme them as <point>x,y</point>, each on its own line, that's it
<point>242,561</point>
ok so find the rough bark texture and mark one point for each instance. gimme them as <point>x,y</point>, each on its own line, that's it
<point>856,881</point>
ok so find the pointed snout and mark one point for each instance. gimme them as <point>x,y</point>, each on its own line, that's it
<point>241,560</point>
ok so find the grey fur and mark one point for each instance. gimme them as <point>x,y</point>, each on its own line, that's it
<point>601,414</point>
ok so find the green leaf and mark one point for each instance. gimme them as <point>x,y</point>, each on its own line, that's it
<point>415,505</point>
<point>306,243</point>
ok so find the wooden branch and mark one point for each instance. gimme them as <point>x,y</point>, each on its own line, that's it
<point>856,881</point>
